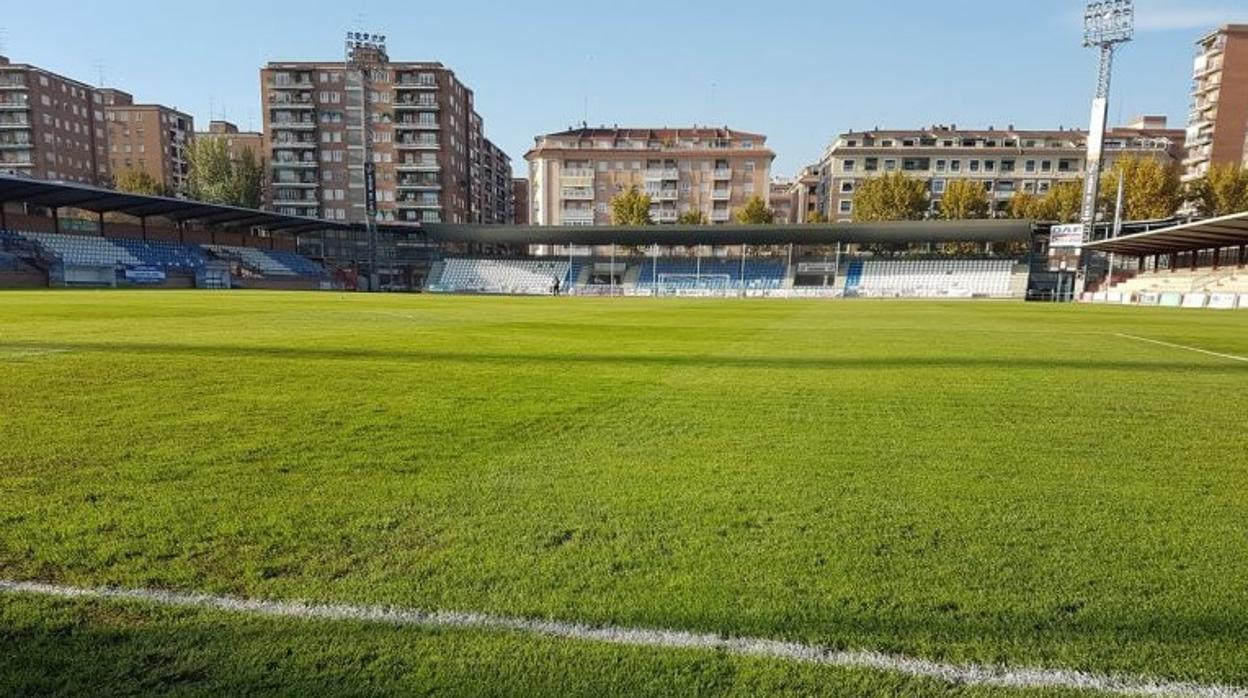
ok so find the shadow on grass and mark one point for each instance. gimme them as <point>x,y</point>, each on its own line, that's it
<point>832,363</point>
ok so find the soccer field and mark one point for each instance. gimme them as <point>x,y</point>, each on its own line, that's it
<point>970,484</point>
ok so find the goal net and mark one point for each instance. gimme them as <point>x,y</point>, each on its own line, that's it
<point>692,284</point>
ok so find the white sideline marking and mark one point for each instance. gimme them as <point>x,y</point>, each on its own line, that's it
<point>968,674</point>
<point>30,353</point>
<point>1160,343</point>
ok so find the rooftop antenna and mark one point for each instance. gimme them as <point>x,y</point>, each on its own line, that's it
<point>99,68</point>
<point>2,44</point>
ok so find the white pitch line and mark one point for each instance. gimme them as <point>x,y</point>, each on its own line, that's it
<point>1158,342</point>
<point>967,674</point>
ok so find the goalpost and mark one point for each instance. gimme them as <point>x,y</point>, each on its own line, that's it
<point>693,284</point>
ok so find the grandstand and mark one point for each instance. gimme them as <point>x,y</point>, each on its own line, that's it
<point>1193,265</point>
<point>678,276</point>
<point>932,278</point>
<point>92,260</point>
<point>500,276</point>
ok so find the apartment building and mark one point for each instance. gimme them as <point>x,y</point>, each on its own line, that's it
<point>421,121</point>
<point>51,127</point>
<point>780,201</point>
<point>520,199</point>
<point>1217,129</point>
<point>236,141</point>
<point>149,138</point>
<point>574,174</point>
<point>1005,161</point>
<point>497,203</point>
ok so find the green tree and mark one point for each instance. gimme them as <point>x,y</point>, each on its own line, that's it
<point>1065,202</point>
<point>756,213</point>
<point>631,208</point>
<point>248,180</point>
<point>1024,205</point>
<point>891,197</point>
<point>138,182</point>
<point>692,217</point>
<point>964,199</point>
<point>1151,190</point>
<point>1221,192</point>
<point>215,178</point>
<point>816,217</point>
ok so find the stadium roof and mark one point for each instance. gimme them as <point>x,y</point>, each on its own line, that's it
<point>1227,231</point>
<point>90,198</point>
<point>683,235</point>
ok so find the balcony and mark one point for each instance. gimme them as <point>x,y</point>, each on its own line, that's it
<point>290,124</point>
<point>412,84</point>
<point>663,194</point>
<point>577,216</point>
<point>408,104</point>
<point>416,145</point>
<point>723,174</point>
<point>303,84</point>
<point>19,123</point>
<point>11,84</point>
<point>14,105</point>
<point>419,185</point>
<point>578,193</point>
<point>418,166</point>
<point>429,204</point>
<point>721,194</point>
<point>665,174</point>
<point>294,144</point>
<point>295,163</point>
<point>664,215</point>
<point>15,145</point>
<point>721,216</point>
<point>302,203</point>
<point>416,126</point>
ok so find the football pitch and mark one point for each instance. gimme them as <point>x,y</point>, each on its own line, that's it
<point>953,485</point>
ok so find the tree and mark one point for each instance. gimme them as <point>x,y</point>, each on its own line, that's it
<point>964,199</point>
<point>891,197</point>
<point>816,217</point>
<point>139,182</point>
<point>1151,190</point>
<point>215,178</point>
<point>1221,192</point>
<point>1065,202</point>
<point>248,176</point>
<point>756,213</point>
<point>692,217</point>
<point>1027,206</point>
<point>631,208</point>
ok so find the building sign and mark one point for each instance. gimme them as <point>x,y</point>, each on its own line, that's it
<point>370,188</point>
<point>145,275</point>
<point>1066,236</point>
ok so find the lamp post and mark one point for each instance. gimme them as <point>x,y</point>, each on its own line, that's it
<point>364,50</point>
<point>1105,26</point>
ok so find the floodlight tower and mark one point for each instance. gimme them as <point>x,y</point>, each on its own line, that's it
<point>1105,26</point>
<point>364,52</point>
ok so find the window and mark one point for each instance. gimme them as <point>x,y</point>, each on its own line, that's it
<point>847,187</point>
<point>890,165</point>
<point>974,165</point>
<point>940,165</point>
<point>848,166</point>
<point>1029,166</point>
<point>1046,165</point>
<point>847,206</point>
<point>955,165</point>
<point>938,186</point>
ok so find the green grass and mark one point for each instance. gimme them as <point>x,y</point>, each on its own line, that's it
<point>961,482</point>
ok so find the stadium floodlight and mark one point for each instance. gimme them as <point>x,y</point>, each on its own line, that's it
<point>1108,23</point>
<point>1105,26</point>
<point>363,50</point>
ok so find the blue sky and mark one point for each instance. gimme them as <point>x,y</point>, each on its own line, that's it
<point>799,71</point>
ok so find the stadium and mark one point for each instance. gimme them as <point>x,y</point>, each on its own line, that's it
<point>357,432</point>
<point>226,472</point>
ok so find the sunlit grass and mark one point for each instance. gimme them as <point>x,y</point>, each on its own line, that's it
<point>963,482</point>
